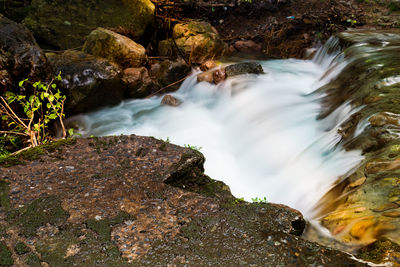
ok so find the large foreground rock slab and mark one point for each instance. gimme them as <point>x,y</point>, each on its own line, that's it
<point>64,24</point>
<point>138,201</point>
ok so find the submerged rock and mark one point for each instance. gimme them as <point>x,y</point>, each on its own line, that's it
<point>243,68</point>
<point>115,47</point>
<point>64,24</point>
<point>87,81</point>
<point>142,201</point>
<point>20,56</point>
<point>198,41</point>
<point>170,100</point>
<point>363,207</point>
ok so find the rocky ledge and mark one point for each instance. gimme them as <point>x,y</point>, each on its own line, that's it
<point>139,201</point>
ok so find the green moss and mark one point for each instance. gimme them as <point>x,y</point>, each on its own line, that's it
<point>5,255</point>
<point>33,260</point>
<point>35,152</point>
<point>20,248</point>
<point>92,250</point>
<point>4,191</point>
<point>103,227</point>
<point>38,213</point>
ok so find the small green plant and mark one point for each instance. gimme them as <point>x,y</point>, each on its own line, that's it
<point>193,147</point>
<point>238,200</point>
<point>259,200</point>
<point>45,105</point>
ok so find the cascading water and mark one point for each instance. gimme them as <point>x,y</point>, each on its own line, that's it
<point>259,133</point>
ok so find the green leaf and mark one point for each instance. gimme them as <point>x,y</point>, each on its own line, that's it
<point>71,131</point>
<point>48,105</point>
<point>53,86</point>
<point>36,84</point>
<point>51,98</point>
<point>53,116</point>
<point>21,83</point>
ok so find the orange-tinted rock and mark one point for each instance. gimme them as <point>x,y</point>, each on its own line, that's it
<point>384,118</point>
<point>392,214</point>
<point>360,228</point>
<point>209,64</point>
<point>219,76</point>
<point>169,100</point>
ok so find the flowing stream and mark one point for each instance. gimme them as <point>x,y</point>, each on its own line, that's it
<point>259,133</point>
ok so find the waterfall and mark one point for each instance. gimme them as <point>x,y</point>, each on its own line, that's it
<point>259,133</point>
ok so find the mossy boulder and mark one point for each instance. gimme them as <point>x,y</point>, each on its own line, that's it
<point>64,24</point>
<point>198,41</point>
<point>115,47</point>
<point>87,81</point>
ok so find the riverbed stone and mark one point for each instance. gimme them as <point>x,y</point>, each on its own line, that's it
<point>115,47</point>
<point>113,211</point>
<point>87,81</point>
<point>243,68</point>
<point>170,100</point>
<point>65,24</point>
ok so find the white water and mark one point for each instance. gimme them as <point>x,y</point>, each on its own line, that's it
<point>259,133</point>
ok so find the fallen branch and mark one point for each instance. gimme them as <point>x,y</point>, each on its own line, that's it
<point>169,85</point>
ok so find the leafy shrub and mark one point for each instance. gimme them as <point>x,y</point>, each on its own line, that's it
<point>44,106</point>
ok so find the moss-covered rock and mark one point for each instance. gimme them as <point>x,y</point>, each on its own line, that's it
<point>115,47</point>
<point>64,24</point>
<point>198,41</point>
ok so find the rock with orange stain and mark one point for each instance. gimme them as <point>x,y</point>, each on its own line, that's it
<point>360,228</point>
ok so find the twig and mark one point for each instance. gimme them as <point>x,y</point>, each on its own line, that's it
<point>169,85</point>
<point>11,132</point>
<point>10,109</point>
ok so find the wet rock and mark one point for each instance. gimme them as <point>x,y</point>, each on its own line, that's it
<point>243,68</point>
<point>384,118</point>
<point>171,72</point>
<point>63,25</point>
<point>385,207</point>
<point>208,65</point>
<point>205,77</point>
<point>212,76</point>
<point>87,81</point>
<point>360,228</point>
<point>170,100</point>
<point>198,41</point>
<point>115,47</point>
<point>138,82</point>
<point>219,75</point>
<point>20,56</point>
<point>248,46</point>
<point>392,214</point>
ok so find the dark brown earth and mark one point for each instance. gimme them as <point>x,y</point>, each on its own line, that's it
<point>139,201</point>
<point>282,28</point>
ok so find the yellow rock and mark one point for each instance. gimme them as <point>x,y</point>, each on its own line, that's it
<point>385,207</point>
<point>358,182</point>
<point>392,214</point>
<point>360,228</point>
